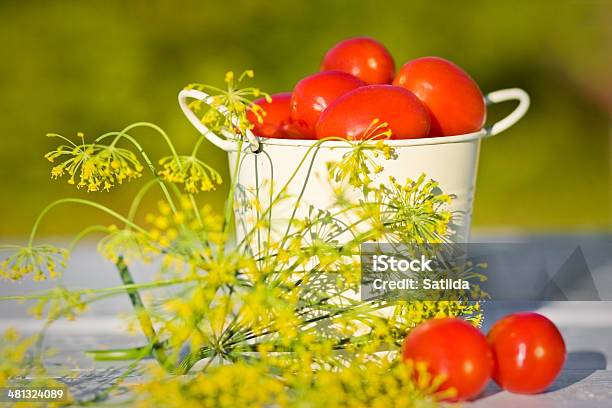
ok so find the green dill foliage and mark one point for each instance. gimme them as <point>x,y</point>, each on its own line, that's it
<point>418,213</point>
<point>39,261</point>
<point>13,353</point>
<point>20,367</point>
<point>127,244</point>
<point>190,171</point>
<point>98,167</point>
<point>59,302</point>
<point>362,161</point>
<point>272,320</point>
<point>225,111</point>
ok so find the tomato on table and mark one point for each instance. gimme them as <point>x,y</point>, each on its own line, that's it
<point>454,349</point>
<point>529,352</point>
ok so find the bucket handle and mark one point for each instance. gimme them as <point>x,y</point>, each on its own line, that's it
<point>226,144</point>
<point>504,95</point>
<point>229,145</point>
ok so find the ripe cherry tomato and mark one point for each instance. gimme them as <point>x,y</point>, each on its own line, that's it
<point>313,94</point>
<point>455,349</point>
<point>276,122</point>
<point>351,115</point>
<point>363,57</point>
<point>452,97</point>
<point>529,352</point>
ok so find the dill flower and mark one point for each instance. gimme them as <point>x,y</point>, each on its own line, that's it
<point>41,261</point>
<point>93,166</point>
<point>21,364</point>
<point>381,382</point>
<point>250,385</point>
<point>229,106</point>
<point>356,166</point>
<point>59,302</point>
<point>129,244</point>
<point>13,355</point>
<point>413,313</point>
<point>189,170</point>
<point>185,238</point>
<point>416,211</point>
<point>318,225</point>
<point>378,382</point>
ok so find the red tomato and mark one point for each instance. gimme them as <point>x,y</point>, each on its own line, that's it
<point>529,352</point>
<point>276,122</point>
<point>452,97</point>
<point>313,94</point>
<point>363,57</point>
<point>455,349</point>
<point>352,114</point>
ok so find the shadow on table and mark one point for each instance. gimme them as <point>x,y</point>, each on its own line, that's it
<point>490,390</point>
<point>579,365</point>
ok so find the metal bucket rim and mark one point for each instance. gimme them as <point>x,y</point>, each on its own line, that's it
<point>468,137</point>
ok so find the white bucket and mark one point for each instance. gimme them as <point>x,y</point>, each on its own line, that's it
<point>452,161</point>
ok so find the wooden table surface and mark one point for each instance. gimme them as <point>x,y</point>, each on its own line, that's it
<point>586,380</point>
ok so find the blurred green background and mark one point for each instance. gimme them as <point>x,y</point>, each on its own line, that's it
<point>95,66</point>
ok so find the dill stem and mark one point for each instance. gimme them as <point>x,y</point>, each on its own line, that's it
<point>85,232</point>
<point>123,133</point>
<point>278,196</point>
<point>229,206</point>
<point>148,161</point>
<point>111,291</point>
<point>83,202</point>
<point>197,145</point>
<point>138,199</point>
<point>143,316</point>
